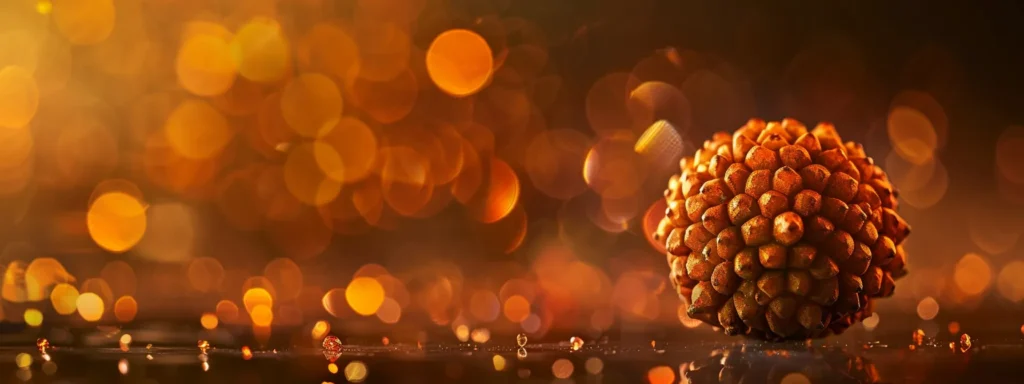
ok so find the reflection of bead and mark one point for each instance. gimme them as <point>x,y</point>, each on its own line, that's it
<point>521,353</point>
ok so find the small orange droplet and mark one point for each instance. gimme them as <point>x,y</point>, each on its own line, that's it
<point>246,353</point>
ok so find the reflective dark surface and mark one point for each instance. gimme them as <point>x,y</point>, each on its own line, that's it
<point>596,362</point>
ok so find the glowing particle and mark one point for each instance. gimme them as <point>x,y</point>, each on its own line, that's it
<point>521,339</point>
<point>663,375</point>
<point>953,327</point>
<point>42,345</point>
<point>33,317</point>
<point>23,360</point>
<point>332,368</point>
<point>246,352</point>
<point>462,333</point>
<point>122,366</point>
<point>116,222</point>
<point>575,343</point>
<point>965,342</point>
<point>384,340</point>
<point>355,371</point>
<point>562,368</point>
<point>594,366</point>
<point>499,362</point>
<point>320,328</point>
<point>209,321</point>
<point>459,62</point>
<point>521,353</point>
<point>203,346</point>
<point>90,306</point>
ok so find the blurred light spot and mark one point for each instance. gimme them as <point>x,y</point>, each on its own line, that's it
<point>1009,156</point>
<point>972,274</point>
<point>661,104</point>
<point>384,50</point>
<point>262,315</point>
<point>120,276</point>
<point>480,335</point>
<point>365,295</point>
<point>501,195</point>
<point>554,161</point>
<point>928,106</point>
<point>209,320</point>
<point>348,152</point>
<point>334,302</point>
<point>459,62</point>
<point>23,360</point>
<point>171,233</point>
<point>562,368</point>
<point>320,329</point>
<point>606,104</point>
<point>661,375</point>
<point>260,51</point>
<point>246,353</point>
<point>33,317</point>
<point>484,306</point>
<point>927,308</point>
<point>871,322</point>
<point>386,101</point>
<point>196,130</point>
<point>49,368</point>
<point>44,7</point>
<point>953,327</point>
<point>531,324</point>
<point>204,65</point>
<point>90,306</point>
<point>332,368</point>
<point>462,333</point>
<point>602,319</point>
<point>499,363</point>
<point>305,179</point>
<point>21,97</point>
<point>84,22</point>
<point>594,365</point>
<point>227,311</point>
<point>311,104</point>
<point>613,169</point>
<point>912,134</point>
<point>64,298</point>
<point>285,276</point>
<point>921,185</point>
<point>328,49</point>
<point>205,274</point>
<point>516,308</point>
<point>100,287</point>
<point>116,221</point>
<point>40,274</point>
<point>257,296</point>
<point>122,366</point>
<point>795,378</point>
<point>390,311</point>
<point>1011,281</point>
<point>355,371</point>
<point>125,309</point>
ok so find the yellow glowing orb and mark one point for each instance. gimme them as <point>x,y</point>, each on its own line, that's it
<point>116,221</point>
<point>204,65</point>
<point>90,306</point>
<point>365,295</point>
<point>64,298</point>
<point>33,317</point>
<point>196,130</point>
<point>209,320</point>
<point>260,51</point>
<point>460,62</point>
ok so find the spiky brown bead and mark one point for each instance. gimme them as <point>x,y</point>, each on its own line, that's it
<point>780,232</point>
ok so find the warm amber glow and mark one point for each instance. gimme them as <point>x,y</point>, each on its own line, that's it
<point>209,320</point>
<point>972,274</point>
<point>562,368</point>
<point>364,295</point>
<point>594,365</point>
<point>64,298</point>
<point>33,317</point>
<point>262,315</point>
<point>499,362</point>
<point>459,62</point>
<point>332,368</point>
<point>257,296</point>
<point>84,22</point>
<point>116,221</point>
<point>661,375</point>
<point>311,104</point>
<point>927,308</point>
<point>795,378</point>
<point>204,65</point>
<point>21,97</point>
<point>246,352</point>
<point>355,371</point>
<point>912,134</point>
<point>125,309</point>
<point>205,274</point>
<point>90,306</point>
<point>516,308</point>
<point>196,130</point>
<point>1011,281</point>
<point>320,329</point>
<point>390,311</point>
<point>260,51</point>
<point>227,311</point>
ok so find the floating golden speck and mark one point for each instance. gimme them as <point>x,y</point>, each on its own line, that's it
<point>246,352</point>
<point>913,347</point>
<point>952,346</point>
<point>575,343</point>
<point>965,342</point>
<point>384,340</point>
<point>521,338</point>
<point>203,346</point>
<point>42,344</point>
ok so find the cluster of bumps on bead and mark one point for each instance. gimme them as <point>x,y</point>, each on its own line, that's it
<point>777,232</point>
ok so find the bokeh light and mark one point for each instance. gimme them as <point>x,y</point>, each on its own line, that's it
<point>459,62</point>
<point>90,306</point>
<point>311,104</point>
<point>364,295</point>
<point>21,97</point>
<point>125,309</point>
<point>260,51</point>
<point>116,221</point>
<point>33,317</point>
<point>972,274</point>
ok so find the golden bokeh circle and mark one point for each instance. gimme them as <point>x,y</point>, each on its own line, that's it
<point>204,65</point>
<point>116,221</point>
<point>459,62</point>
<point>311,104</point>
